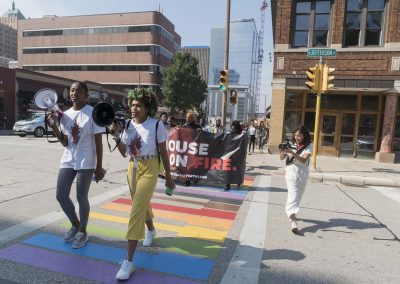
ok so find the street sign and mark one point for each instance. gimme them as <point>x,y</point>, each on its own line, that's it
<point>317,52</point>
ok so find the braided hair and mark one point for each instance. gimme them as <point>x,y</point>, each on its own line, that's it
<point>146,97</point>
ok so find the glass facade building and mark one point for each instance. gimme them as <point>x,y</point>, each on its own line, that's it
<point>243,50</point>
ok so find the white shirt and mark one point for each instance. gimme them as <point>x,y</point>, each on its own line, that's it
<point>79,127</point>
<point>252,130</point>
<point>140,139</point>
<point>308,149</point>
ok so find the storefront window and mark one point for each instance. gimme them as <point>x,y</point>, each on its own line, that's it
<point>294,100</point>
<point>366,136</point>
<point>369,102</point>
<point>292,121</point>
<point>347,136</point>
<point>396,140</point>
<point>342,102</point>
<point>311,101</point>
<point>309,121</point>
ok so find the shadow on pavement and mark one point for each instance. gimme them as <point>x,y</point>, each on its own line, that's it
<point>336,223</point>
<point>284,254</point>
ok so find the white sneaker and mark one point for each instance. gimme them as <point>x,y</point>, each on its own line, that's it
<point>293,226</point>
<point>126,270</point>
<point>149,238</point>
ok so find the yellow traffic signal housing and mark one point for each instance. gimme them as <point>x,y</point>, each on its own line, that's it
<point>327,79</point>
<point>314,78</point>
<point>233,97</point>
<point>223,80</point>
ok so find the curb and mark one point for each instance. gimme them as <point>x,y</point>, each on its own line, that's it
<point>354,180</point>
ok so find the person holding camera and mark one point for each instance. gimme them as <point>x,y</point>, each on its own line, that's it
<point>143,141</point>
<point>82,158</point>
<point>297,153</point>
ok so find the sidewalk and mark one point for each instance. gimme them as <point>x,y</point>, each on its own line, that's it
<point>350,171</point>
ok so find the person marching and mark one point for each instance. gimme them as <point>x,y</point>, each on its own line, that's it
<point>139,143</point>
<point>82,158</point>
<point>296,171</point>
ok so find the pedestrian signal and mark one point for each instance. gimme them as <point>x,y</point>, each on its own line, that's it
<point>233,97</point>
<point>327,79</point>
<point>223,80</point>
<point>314,78</point>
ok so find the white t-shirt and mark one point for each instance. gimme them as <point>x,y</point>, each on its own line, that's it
<point>80,152</point>
<point>308,149</point>
<point>140,139</point>
<point>252,130</point>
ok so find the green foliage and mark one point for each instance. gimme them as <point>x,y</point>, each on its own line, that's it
<point>183,86</point>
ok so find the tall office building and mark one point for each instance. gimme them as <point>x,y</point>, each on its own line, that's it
<point>8,32</point>
<point>243,48</point>
<point>120,50</point>
<point>202,53</point>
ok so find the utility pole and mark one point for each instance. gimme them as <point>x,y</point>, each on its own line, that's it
<point>226,60</point>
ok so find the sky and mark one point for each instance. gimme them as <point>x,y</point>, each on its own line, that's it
<point>193,20</point>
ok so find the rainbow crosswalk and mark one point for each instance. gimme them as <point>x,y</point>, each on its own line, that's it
<point>192,226</point>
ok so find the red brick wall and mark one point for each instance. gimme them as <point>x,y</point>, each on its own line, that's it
<point>363,62</point>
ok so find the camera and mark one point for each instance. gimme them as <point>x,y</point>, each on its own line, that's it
<point>284,146</point>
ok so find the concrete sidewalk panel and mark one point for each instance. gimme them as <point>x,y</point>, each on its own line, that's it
<point>353,180</point>
<point>331,178</point>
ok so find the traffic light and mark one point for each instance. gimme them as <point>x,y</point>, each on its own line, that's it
<point>223,80</point>
<point>314,78</point>
<point>327,79</point>
<point>233,97</point>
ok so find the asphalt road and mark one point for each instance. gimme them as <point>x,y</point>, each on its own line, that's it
<point>347,234</point>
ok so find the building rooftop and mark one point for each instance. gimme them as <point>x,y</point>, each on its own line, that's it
<point>13,13</point>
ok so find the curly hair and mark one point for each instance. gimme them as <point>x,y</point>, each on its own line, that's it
<point>146,97</point>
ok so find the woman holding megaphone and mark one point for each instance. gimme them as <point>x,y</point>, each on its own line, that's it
<point>143,141</point>
<point>82,158</point>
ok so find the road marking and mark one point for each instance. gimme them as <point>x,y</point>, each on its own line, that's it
<point>391,192</point>
<point>98,271</point>
<point>165,262</point>
<point>194,220</point>
<point>31,225</point>
<point>181,231</point>
<point>245,263</point>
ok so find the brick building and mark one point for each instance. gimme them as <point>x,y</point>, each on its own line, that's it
<point>360,116</point>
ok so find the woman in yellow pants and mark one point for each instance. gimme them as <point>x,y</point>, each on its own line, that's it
<point>143,141</point>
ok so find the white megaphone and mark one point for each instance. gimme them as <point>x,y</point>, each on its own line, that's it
<point>47,99</point>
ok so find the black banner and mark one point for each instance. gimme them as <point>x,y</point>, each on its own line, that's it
<point>200,155</point>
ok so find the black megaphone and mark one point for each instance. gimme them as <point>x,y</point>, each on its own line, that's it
<point>103,114</point>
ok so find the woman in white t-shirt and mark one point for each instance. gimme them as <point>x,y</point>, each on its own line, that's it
<point>296,171</point>
<point>139,143</point>
<point>82,158</point>
<point>252,135</point>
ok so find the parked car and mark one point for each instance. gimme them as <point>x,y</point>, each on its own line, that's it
<point>34,125</point>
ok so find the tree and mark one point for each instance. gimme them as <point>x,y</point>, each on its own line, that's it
<point>183,86</point>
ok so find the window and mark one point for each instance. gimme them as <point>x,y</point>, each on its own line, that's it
<point>311,23</point>
<point>364,22</point>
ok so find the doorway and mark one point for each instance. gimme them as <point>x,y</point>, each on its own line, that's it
<point>329,134</point>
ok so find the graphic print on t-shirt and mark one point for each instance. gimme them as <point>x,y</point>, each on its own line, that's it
<point>75,130</point>
<point>135,145</point>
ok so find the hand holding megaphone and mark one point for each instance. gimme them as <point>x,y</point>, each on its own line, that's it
<point>47,99</point>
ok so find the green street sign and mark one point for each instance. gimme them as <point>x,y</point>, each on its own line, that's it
<point>317,52</point>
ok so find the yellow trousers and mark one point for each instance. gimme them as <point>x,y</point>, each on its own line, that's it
<point>142,188</point>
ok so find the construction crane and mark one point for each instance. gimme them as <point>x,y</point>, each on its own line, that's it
<point>260,56</point>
